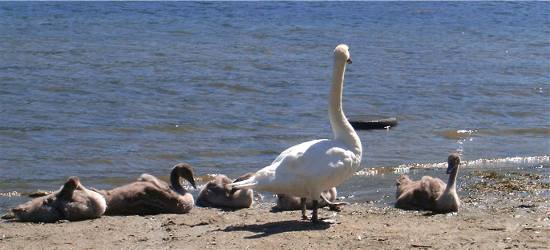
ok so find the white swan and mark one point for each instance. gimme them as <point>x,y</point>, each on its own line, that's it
<point>306,169</point>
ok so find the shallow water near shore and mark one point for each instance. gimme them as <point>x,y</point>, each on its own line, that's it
<point>107,91</point>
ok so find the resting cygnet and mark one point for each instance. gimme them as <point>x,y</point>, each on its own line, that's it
<point>287,202</point>
<point>149,195</point>
<point>72,202</point>
<point>430,193</point>
<point>216,194</point>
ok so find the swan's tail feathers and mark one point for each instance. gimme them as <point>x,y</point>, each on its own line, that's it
<point>244,177</point>
<point>247,183</point>
<point>252,180</point>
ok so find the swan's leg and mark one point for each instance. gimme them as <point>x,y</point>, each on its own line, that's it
<point>303,204</point>
<point>314,217</point>
<point>334,206</point>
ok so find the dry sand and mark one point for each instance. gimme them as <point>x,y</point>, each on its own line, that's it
<point>495,215</point>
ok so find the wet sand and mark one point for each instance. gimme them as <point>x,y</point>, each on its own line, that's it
<point>495,215</point>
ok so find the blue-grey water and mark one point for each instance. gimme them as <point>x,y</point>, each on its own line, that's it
<point>107,91</point>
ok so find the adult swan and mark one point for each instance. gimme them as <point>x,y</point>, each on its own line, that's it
<point>307,169</point>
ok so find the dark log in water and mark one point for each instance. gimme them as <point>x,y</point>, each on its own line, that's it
<point>372,122</point>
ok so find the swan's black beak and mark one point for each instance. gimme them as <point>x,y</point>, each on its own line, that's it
<point>349,61</point>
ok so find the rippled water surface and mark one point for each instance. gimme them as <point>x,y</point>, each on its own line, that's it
<point>107,91</point>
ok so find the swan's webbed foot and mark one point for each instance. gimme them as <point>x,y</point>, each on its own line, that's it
<point>314,216</point>
<point>303,205</point>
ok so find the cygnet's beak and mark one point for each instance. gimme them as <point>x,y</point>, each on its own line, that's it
<point>450,169</point>
<point>349,61</point>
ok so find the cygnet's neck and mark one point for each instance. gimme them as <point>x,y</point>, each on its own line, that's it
<point>175,182</point>
<point>451,184</point>
<point>341,128</point>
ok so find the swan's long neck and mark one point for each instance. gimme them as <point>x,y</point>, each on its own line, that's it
<point>451,184</point>
<point>175,181</point>
<point>341,128</point>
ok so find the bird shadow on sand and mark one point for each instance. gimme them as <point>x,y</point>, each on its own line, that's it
<point>225,209</point>
<point>270,228</point>
<point>432,213</point>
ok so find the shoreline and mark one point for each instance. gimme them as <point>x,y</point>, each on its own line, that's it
<point>491,217</point>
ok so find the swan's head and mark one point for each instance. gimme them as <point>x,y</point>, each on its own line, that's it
<point>453,162</point>
<point>185,171</point>
<point>341,52</point>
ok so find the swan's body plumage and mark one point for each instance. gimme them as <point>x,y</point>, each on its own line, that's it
<point>72,202</point>
<point>150,195</point>
<point>308,168</point>
<point>430,193</point>
<point>420,194</point>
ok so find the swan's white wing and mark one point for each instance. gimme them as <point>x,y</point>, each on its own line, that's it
<point>307,168</point>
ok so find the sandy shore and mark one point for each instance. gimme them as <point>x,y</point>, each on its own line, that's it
<point>495,215</point>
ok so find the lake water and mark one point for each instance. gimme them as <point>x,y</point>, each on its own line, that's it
<point>107,91</point>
